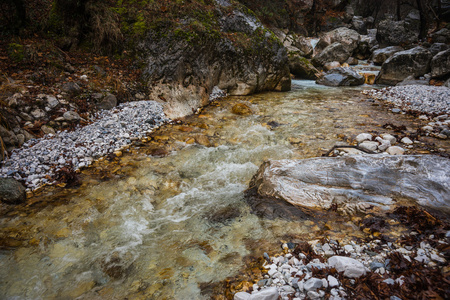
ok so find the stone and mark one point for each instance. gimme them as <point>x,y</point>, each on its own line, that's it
<point>11,191</point>
<point>8,137</point>
<point>333,52</point>
<point>363,137</point>
<point>47,129</point>
<point>369,146</point>
<point>182,73</point>
<point>440,64</point>
<point>313,284</point>
<point>406,140</point>
<point>38,114</point>
<point>241,109</point>
<point>202,140</point>
<point>379,56</point>
<point>71,88</point>
<point>71,116</point>
<point>410,80</point>
<point>376,265</point>
<point>352,61</point>
<point>351,267</point>
<point>52,101</point>
<point>384,144</point>
<point>414,62</point>
<point>348,38</point>
<point>241,296</point>
<point>313,295</point>
<point>302,67</point>
<point>270,293</point>
<point>395,150</point>
<point>403,32</point>
<point>319,183</point>
<point>441,36</point>
<point>332,281</point>
<point>438,47</point>
<point>341,77</point>
<point>109,102</point>
<point>359,25</point>
<point>331,65</point>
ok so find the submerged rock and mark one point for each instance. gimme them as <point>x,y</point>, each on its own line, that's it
<point>355,182</point>
<point>11,191</point>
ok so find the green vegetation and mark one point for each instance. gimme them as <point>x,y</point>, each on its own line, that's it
<point>16,52</point>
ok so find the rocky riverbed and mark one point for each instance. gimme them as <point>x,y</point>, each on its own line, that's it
<point>39,160</point>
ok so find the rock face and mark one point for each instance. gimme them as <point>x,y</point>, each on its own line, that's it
<point>11,191</point>
<point>353,183</point>
<point>406,31</point>
<point>415,62</point>
<point>379,56</point>
<point>440,64</point>
<point>183,67</point>
<point>341,77</point>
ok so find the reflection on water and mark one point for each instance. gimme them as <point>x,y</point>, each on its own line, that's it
<point>155,227</point>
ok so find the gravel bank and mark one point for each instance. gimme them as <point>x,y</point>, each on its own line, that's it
<point>38,160</point>
<point>419,98</point>
<point>333,271</point>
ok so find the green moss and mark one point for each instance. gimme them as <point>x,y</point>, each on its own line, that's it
<point>16,52</point>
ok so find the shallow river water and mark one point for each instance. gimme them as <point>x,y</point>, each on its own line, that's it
<point>171,213</point>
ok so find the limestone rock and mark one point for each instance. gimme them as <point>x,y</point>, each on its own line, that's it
<point>415,62</point>
<point>302,67</point>
<point>406,31</point>
<point>440,64</point>
<point>334,52</point>
<point>379,56</point>
<point>241,109</point>
<point>341,77</point>
<point>321,182</point>
<point>351,267</point>
<point>71,116</point>
<point>182,73</point>
<point>71,88</point>
<point>11,191</point>
<point>441,36</point>
<point>395,150</point>
<point>109,102</point>
<point>331,65</point>
<point>348,38</point>
<point>369,146</point>
<point>438,47</point>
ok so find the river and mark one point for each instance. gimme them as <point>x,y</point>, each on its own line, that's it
<point>171,213</point>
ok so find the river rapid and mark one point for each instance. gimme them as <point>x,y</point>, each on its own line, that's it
<point>170,213</point>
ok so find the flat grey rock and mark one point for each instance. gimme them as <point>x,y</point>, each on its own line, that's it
<point>357,181</point>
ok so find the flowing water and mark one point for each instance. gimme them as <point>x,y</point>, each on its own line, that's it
<point>155,226</point>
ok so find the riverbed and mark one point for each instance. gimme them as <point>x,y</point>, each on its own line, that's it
<point>170,214</point>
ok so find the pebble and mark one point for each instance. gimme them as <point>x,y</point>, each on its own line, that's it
<point>82,146</point>
<point>406,141</point>
<point>421,98</point>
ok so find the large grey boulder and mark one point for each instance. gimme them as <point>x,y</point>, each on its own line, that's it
<point>183,67</point>
<point>334,52</point>
<point>11,191</point>
<point>440,64</point>
<point>352,183</point>
<point>341,77</point>
<point>415,62</point>
<point>348,38</point>
<point>379,56</point>
<point>404,32</point>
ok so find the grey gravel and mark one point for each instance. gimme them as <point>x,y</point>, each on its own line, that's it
<point>112,130</point>
<point>426,99</point>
